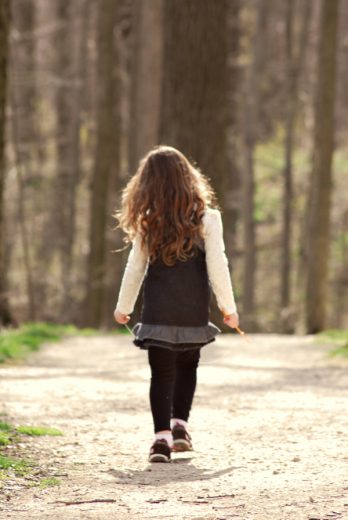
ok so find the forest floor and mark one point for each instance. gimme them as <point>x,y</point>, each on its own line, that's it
<point>269,426</point>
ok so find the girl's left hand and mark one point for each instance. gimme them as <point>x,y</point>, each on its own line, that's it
<point>121,318</point>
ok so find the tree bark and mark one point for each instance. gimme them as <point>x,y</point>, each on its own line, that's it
<point>194,95</point>
<point>105,159</point>
<point>194,113</point>
<point>233,198</point>
<point>70,65</point>
<point>5,315</point>
<point>321,178</point>
<point>146,79</point>
<point>294,64</point>
<point>25,136</point>
<point>252,108</point>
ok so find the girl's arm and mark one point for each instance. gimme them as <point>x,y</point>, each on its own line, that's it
<point>217,263</point>
<point>133,276</point>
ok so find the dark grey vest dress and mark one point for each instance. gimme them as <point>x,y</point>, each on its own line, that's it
<point>176,305</point>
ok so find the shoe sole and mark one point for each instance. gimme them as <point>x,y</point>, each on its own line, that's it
<point>182,445</point>
<point>158,457</point>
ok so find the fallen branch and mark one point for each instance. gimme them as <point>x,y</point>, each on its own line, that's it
<point>78,502</point>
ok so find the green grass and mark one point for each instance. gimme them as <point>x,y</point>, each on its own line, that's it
<point>19,466</point>
<point>8,432</point>
<point>17,343</point>
<point>340,351</point>
<point>11,467</point>
<point>49,482</point>
<point>338,338</point>
<point>4,439</point>
<point>5,428</point>
<point>38,430</point>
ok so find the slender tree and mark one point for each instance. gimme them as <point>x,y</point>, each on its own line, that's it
<point>232,207</point>
<point>251,131</point>
<point>70,62</point>
<point>106,155</point>
<point>24,129</point>
<point>5,316</point>
<point>321,179</point>
<point>294,61</point>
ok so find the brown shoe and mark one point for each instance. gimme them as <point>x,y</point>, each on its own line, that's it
<point>160,451</point>
<point>181,438</point>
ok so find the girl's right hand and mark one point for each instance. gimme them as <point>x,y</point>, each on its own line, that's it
<point>232,320</point>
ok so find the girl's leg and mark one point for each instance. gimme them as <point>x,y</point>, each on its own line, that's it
<point>185,382</point>
<point>162,363</point>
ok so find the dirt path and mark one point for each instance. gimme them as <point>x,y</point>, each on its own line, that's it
<point>269,427</point>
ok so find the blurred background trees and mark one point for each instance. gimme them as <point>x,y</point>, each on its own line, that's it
<point>254,91</point>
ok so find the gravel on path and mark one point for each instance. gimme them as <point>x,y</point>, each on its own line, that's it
<point>269,427</point>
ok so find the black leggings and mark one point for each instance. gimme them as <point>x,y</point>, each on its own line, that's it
<point>173,384</point>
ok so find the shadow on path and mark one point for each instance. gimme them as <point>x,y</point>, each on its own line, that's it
<point>180,469</point>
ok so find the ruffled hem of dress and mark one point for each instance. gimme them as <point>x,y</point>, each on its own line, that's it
<point>171,336</point>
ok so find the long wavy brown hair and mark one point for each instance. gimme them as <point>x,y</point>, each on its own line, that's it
<point>165,201</point>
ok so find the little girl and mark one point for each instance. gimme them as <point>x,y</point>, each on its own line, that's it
<point>169,214</point>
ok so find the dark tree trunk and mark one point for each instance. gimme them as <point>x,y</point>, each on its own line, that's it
<point>252,109</point>
<point>23,102</point>
<point>294,64</point>
<point>321,179</point>
<point>194,97</point>
<point>105,159</point>
<point>70,65</point>
<point>194,101</point>
<point>5,315</point>
<point>233,198</point>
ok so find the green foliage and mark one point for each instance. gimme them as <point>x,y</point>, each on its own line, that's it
<point>16,343</point>
<point>269,165</point>
<point>38,430</point>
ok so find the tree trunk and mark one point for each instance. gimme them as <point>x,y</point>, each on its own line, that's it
<point>70,65</point>
<point>146,79</point>
<point>321,179</point>
<point>5,315</point>
<point>105,159</point>
<point>194,95</point>
<point>233,196</point>
<point>194,101</point>
<point>294,65</point>
<point>252,108</point>
<point>25,138</point>
<point>23,80</point>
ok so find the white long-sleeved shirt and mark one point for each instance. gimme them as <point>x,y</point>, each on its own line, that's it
<point>217,267</point>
